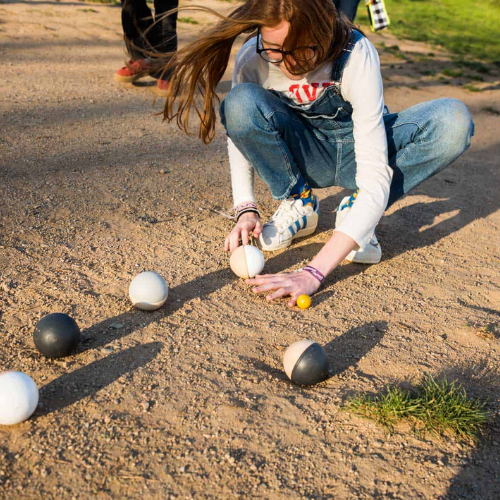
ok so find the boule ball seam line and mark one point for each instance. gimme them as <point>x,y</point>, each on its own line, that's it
<point>306,362</point>
<point>247,261</point>
<point>320,372</point>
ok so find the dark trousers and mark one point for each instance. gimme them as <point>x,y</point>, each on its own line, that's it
<point>143,33</point>
<point>348,7</point>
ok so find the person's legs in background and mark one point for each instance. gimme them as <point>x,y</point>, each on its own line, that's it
<point>163,38</point>
<point>144,34</point>
<point>136,19</point>
<point>348,7</point>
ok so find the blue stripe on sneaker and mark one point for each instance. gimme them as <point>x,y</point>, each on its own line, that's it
<point>292,230</point>
<point>304,220</point>
<point>297,225</point>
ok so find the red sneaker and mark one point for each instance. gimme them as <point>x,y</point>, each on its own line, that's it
<point>133,71</point>
<point>161,89</point>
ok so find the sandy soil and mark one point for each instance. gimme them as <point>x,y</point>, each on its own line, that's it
<point>191,401</point>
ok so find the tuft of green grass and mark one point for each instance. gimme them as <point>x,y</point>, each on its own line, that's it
<point>454,73</point>
<point>439,407</point>
<point>475,66</point>
<point>472,88</point>
<point>467,28</point>
<point>188,20</point>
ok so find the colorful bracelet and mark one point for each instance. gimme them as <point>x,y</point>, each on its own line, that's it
<point>245,207</point>
<point>318,275</point>
<point>253,210</point>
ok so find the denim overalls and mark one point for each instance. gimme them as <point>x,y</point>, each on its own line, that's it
<point>283,140</point>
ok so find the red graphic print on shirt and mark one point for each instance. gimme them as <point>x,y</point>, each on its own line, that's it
<point>307,92</point>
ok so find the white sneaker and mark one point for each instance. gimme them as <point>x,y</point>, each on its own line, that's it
<point>291,220</point>
<point>372,252</point>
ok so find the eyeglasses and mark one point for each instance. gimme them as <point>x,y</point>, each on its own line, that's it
<point>300,54</point>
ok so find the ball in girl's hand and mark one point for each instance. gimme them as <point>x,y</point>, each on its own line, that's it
<point>18,397</point>
<point>247,261</point>
<point>306,363</point>
<point>148,291</point>
<point>56,335</point>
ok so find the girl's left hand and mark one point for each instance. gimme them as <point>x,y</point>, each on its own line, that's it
<point>293,284</point>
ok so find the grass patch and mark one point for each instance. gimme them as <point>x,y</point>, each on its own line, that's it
<point>471,87</point>
<point>438,407</point>
<point>188,20</point>
<point>475,66</point>
<point>467,28</point>
<point>454,73</point>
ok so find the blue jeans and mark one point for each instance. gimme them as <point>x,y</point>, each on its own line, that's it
<point>348,7</point>
<point>281,143</point>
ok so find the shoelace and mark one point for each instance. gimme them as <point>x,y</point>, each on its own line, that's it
<point>287,213</point>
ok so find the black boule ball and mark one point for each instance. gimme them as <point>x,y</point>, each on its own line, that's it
<point>306,363</point>
<point>56,335</point>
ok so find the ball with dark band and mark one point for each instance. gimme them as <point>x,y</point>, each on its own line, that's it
<point>56,335</point>
<point>306,363</point>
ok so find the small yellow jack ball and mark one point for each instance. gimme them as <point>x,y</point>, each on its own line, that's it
<point>304,301</point>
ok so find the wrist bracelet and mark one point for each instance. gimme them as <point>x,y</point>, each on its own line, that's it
<point>245,207</point>
<point>247,210</point>
<point>318,275</point>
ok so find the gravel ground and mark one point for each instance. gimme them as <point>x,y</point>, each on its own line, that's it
<point>191,401</point>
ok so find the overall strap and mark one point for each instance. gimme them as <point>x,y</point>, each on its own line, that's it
<point>339,63</point>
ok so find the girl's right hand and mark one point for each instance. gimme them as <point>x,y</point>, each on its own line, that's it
<point>249,221</point>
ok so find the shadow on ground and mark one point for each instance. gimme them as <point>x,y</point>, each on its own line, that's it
<point>343,351</point>
<point>86,381</point>
<point>479,476</point>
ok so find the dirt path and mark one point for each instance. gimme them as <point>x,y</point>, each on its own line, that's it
<point>191,401</point>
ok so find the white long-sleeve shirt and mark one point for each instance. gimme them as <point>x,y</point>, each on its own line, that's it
<point>362,87</point>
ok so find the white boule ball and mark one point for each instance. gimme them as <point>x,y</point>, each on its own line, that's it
<point>247,261</point>
<point>18,397</point>
<point>306,363</point>
<point>148,291</point>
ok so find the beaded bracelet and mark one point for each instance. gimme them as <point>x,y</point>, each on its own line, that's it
<point>317,274</point>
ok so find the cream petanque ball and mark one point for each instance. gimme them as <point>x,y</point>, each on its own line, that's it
<point>18,397</point>
<point>306,363</point>
<point>148,291</point>
<point>247,261</point>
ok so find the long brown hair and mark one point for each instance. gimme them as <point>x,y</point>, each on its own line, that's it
<point>197,68</point>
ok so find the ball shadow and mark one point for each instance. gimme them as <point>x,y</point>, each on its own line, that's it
<point>86,381</point>
<point>346,350</point>
<point>343,352</point>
